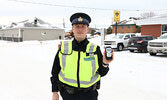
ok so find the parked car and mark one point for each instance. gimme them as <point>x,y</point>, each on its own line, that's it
<point>119,41</point>
<point>158,45</point>
<point>139,43</point>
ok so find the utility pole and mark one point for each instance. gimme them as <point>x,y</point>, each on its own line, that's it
<point>116,19</point>
<point>63,23</point>
<point>116,28</point>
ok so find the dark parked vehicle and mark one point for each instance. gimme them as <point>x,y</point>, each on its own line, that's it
<point>139,43</point>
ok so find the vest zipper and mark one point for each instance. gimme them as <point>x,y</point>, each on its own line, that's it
<point>78,82</point>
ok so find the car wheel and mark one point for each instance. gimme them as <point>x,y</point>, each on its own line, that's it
<point>131,50</point>
<point>120,47</point>
<point>140,51</point>
<point>144,51</point>
<point>152,54</point>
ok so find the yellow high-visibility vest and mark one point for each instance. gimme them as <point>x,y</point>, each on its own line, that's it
<point>72,61</point>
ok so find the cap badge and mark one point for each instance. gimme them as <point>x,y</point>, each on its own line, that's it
<point>80,19</point>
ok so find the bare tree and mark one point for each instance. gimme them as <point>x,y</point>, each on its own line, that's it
<point>147,15</point>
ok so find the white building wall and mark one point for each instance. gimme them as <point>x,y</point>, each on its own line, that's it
<point>41,34</point>
<point>9,32</point>
<point>26,34</point>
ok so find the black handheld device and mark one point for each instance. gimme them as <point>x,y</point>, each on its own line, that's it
<point>108,52</point>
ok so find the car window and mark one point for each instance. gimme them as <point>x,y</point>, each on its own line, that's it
<point>146,38</point>
<point>154,37</point>
<point>133,35</point>
<point>118,36</point>
<point>163,37</point>
<point>149,38</point>
<point>127,36</point>
<point>135,38</point>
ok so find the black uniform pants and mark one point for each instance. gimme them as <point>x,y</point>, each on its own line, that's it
<point>89,95</point>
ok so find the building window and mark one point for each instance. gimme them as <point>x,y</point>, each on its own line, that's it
<point>164,29</point>
<point>122,27</point>
<point>128,26</point>
<point>117,27</point>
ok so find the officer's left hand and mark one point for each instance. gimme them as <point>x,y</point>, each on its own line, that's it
<point>108,61</point>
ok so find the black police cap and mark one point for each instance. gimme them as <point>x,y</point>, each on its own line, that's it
<point>80,18</point>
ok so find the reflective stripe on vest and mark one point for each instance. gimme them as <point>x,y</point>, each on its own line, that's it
<point>91,48</point>
<point>66,49</point>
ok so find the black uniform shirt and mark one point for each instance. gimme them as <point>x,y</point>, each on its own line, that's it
<point>76,47</point>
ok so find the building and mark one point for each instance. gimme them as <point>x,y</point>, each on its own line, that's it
<point>126,26</point>
<point>93,30</point>
<point>154,26</point>
<point>31,29</point>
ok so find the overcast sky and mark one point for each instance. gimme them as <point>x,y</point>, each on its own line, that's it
<point>101,11</point>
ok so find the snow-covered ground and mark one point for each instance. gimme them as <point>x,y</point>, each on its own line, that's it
<point>25,70</point>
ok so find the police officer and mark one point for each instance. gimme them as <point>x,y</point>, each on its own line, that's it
<point>78,65</point>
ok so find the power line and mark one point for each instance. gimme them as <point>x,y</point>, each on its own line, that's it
<point>68,6</point>
<point>58,5</point>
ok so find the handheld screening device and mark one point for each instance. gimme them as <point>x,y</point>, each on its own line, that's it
<point>108,53</point>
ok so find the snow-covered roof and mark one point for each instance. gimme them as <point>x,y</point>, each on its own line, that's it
<point>34,23</point>
<point>161,19</point>
<point>126,22</point>
<point>2,26</point>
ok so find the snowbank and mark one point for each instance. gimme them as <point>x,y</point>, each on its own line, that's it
<point>25,71</point>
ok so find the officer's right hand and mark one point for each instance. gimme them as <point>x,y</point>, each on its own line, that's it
<point>55,96</point>
<point>104,57</point>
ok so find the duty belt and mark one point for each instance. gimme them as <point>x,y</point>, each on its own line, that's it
<point>73,90</point>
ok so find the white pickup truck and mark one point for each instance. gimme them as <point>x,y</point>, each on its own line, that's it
<point>158,45</point>
<point>119,41</point>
